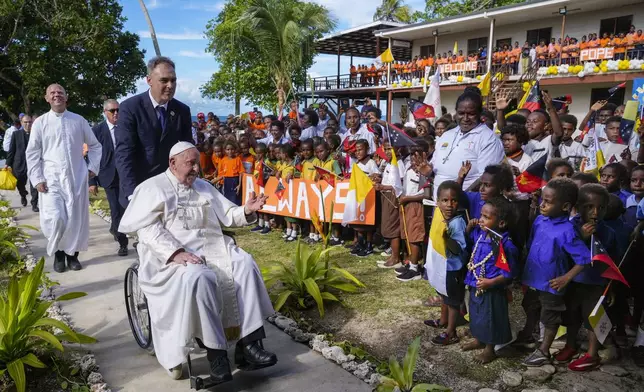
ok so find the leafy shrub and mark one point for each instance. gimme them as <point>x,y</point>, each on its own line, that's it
<point>24,329</point>
<point>402,377</point>
<point>308,279</point>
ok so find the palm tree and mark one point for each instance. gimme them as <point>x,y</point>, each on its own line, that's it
<point>283,34</point>
<point>393,11</point>
<point>153,34</point>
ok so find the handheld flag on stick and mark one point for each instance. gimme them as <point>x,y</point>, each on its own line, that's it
<point>326,175</point>
<point>485,85</point>
<point>397,181</point>
<point>455,51</point>
<point>279,191</point>
<point>436,260</point>
<point>531,99</point>
<point>398,137</point>
<point>533,177</point>
<point>561,102</point>
<point>501,260</point>
<point>594,159</point>
<point>359,186</point>
<point>613,90</point>
<point>433,96</point>
<point>260,181</point>
<point>420,110</point>
<point>599,321</point>
<point>610,270</point>
<point>626,128</point>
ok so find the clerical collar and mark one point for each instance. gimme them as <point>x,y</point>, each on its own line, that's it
<point>175,182</point>
<point>58,114</point>
<point>155,103</point>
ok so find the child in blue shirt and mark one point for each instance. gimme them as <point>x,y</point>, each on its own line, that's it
<point>488,306</point>
<point>495,180</point>
<point>449,193</point>
<point>587,287</point>
<point>612,177</point>
<point>554,245</point>
<point>637,187</point>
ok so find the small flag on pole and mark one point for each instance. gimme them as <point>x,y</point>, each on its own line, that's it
<point>398,137</point>
<point>279,191</point>
<point>385,57</point>
<point>533,177</point>
<point>359,186</point>
<point>485,85</point>
<point>613,90</point>
<point>599,321</point>
<point>501,260</point>
<point>455,51</point>
<point>420,110</point>
<point>610,270</point>
<point>594,159</point>
<point>326,175</point>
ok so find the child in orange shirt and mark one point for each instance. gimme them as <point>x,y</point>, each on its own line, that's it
<point>619,43</point>
<point>248,160</point>
<point>217,155</point>
<point>205,160</point>
<point>230,170</point>
<point>460,58</point>
<point>604,41</point>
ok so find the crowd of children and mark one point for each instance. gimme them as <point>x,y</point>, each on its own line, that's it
<point>545,239</point>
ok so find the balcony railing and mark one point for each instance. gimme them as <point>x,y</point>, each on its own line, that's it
<point>368,79</point>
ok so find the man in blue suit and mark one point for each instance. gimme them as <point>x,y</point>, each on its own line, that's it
<point>107,176</point>
<point>149,125</point>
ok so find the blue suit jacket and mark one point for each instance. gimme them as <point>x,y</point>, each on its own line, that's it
<point>142,147</point>
<point>107,173</point>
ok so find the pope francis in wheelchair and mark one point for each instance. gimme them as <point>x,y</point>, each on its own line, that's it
<point>200,287</point>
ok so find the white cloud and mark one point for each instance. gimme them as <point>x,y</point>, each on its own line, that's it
<point>217,7</point>
<point>186,35</point>
<point>152,4</point>
<point>194,54</point>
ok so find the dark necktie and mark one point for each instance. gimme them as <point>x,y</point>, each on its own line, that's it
<point>161,116</point>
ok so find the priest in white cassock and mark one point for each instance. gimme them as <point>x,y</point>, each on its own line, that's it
<point>199,285</point>
<point>56,165</point>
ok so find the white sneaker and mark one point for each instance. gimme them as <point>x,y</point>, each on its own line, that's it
<point>291,238</point>
<point>176,372</point>
<point>285,236</point>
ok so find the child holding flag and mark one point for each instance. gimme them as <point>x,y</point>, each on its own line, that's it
<point>286,173</point>
<point>323,160</point>
<point>261,174</point>
<point>587,287</point>
<point>553,243</point>
<point>491,268</point>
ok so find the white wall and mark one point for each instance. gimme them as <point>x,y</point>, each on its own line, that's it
<point>577,25</point>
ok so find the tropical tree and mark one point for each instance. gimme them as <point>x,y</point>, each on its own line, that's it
<point>280,34</point>
<point>436,9</point>
<point>393,11</point>
<point>80,44</point>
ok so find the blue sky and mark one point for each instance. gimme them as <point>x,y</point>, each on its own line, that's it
<point>180,24</point>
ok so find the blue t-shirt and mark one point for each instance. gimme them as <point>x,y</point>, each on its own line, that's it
<point>604,234</point>
<point>475,204</point>
<point>629,217</point>
<point>485,246</point>
<point>623,195</point>
<point>640,210</point>
<point>456,230</point>
<point>554,245</point>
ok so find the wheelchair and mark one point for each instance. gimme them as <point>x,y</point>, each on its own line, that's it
<point>139,317</point>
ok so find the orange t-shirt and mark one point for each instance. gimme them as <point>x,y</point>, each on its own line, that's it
<point>583,45</point>
<point>215,161</point>
<point>618,44</point>
<point>515,53</point>
<point>565,52</point>
<point>630,40</point>
<point>460,59</point>
<point>472,58</point>
<point>206,163</point>
<point>230,167</point>
<point>542,51</point>
<point>593,43</point>
<point>604,42</point>
<point>430,62</point>
<point>259,126</point>
<point>573,50</point>
<point>248,163</point>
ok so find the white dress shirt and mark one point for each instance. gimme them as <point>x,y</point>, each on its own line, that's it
<point>111,127</point>
<point>155,103</point>
<point>481,146</point>
<point>6,143</point>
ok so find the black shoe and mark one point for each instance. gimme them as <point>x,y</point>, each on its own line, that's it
<point>122,251</point>
<point>364,252</point>
<point>73,263</point>
<point>23,201</point>
<point>35,209</point>
<point>409,275</point>
<point>116,238</point>
<point>253,356</point>
<point>59,262</point>
<point>402,270</point>
<point>357,248</point>
<point>219,366</point>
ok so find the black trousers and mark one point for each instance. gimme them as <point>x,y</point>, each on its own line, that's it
<point>116,212</point>
<point>21,185</point>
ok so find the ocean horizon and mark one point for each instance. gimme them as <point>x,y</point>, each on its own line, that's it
<point>221,118</point>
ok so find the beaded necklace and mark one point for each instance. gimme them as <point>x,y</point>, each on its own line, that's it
<point>473,266</point>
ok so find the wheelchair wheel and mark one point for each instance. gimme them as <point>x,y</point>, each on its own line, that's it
<point>137,310</point>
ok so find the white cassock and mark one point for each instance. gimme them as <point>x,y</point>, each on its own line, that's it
<point>55,156</point>
<point>219,301</point>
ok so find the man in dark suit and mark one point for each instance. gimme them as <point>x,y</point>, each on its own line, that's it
<point>107,176</point>
<point>17,161</point>
<point>149,125</point>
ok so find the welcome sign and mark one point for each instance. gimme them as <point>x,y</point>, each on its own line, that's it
<point>303,197</point>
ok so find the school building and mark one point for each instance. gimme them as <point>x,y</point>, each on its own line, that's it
<point>531,21</point>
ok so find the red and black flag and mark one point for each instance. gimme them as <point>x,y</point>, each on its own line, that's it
<point>260,181</point>
<point>279,191</point>
<point>326,175</point>
<point>533,99</point>
<point>626,128</point>
<point>562,102</point>
<point>613,90</point>
<point>420,110</point>
<point>533,177</point>
<point>501,260</point>
<point>398,137</point>
<point>610,270</point>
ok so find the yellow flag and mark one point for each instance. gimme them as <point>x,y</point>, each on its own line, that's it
<point>385,57</point>
<point>436,231</point>
<point>455,51</point>
<point>360,182</point>
<point>485,85</point>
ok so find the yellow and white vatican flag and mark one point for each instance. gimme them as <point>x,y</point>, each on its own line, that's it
<point>359,186</point>
<point>599,321</point>
<point>594,159</point>
<point>436,260</point>
<point>385,57</point>
<point>433,96</point>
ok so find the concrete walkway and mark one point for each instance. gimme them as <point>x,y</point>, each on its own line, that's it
<point>126,367</point>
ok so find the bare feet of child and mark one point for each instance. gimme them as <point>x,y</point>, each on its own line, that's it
<point>486,356</point>
<point>472,345</point>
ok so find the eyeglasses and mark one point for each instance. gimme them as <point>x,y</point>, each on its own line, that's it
<point>113,110</point>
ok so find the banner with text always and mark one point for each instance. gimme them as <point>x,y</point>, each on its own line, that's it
<point>301,197</point>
